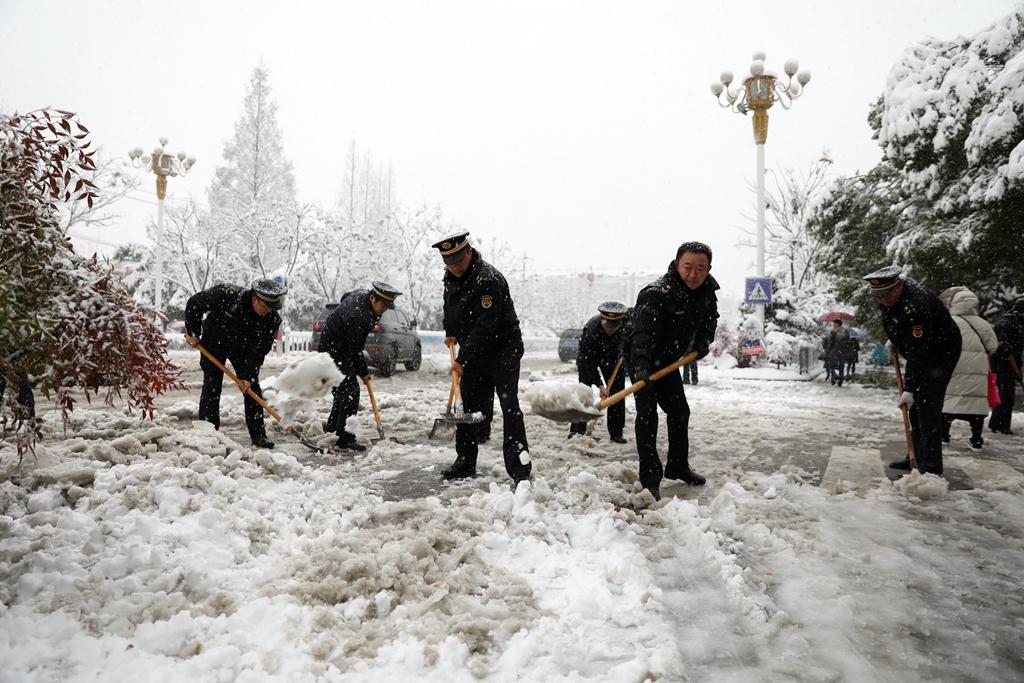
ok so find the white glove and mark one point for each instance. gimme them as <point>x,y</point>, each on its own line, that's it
<point>906,399</point>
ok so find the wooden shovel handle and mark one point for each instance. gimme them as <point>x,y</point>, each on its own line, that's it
<point>911,455</point>
<point>455,381</point>
<point>615,372</point>
<point>655,376</point>
<point>373,402</point>
<point>252,394</point>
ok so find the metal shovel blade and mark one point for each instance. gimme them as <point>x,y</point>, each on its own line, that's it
<point>567,414</point>
<point>444,426</point>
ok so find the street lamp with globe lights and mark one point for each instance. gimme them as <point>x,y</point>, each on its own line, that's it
<point>163,165</point>
<point>759,91</point>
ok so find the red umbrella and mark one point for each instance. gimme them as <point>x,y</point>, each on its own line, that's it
<point>835,315</point>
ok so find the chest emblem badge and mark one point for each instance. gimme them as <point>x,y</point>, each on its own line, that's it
<point>486,301</point>
<point>918,331</point>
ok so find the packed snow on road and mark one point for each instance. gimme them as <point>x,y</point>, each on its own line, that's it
<point>167,550</point>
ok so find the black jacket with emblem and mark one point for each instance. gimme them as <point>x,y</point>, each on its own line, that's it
<point>230,328</point>
<point>346,330</point>
<point>668,318</point>
<point>479,313</point>
<point>923,332</point>
<point>597,349</point>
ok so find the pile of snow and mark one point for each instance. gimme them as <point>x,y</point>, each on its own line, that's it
<point>310,379</point>
<point>556,397</point>
<point>923,486</point>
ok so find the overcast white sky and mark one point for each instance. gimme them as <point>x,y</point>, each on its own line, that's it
<point>582,133</point>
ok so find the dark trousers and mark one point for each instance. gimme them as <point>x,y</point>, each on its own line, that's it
<point>690,373</point>
<point>926,425</point>
<point>834,369</point>
<point>209,401</point>
<point>25,399</point>
<point>976,422</point>
<point>616,417</point>
<point>346,403</point>
<point>851,367</point>
<point>1003,413</point>
<point>668,393</point>
<point>480,381</point>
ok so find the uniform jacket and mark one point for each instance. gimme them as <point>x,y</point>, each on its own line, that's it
<point>597,349</point>
<point>479,313</point>
<point>667,318</point>
<point>923,332</point>
<point>1010,332</point>
<point>967,392</point>
<point>346,330</point>
<point>231,328</point>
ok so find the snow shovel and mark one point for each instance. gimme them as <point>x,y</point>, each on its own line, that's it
<point>266,406</point>
<point>906,412</point>
<point>376,414</point>
<point>444,425</point>
<point>574,415</point>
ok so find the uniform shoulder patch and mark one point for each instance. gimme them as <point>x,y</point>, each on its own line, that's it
<point>666,288</point>
<point>486,301</point>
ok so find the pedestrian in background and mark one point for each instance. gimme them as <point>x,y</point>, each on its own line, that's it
<point>967,392</point>
<point>1010,333</point>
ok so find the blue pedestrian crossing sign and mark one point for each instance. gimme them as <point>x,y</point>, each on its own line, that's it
<point>758,291</point>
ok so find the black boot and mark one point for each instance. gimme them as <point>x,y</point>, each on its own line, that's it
<point>684,473</point>
<point>618,438</point>
<point>900,464</point>
<point>977,442</point>
<point>262,442</point>
<point>460,469</point>
<point>347,442</point>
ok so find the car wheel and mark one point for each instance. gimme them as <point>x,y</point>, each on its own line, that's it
<point>563,356</point>
<point>387,366</point>
<point>417,359</point>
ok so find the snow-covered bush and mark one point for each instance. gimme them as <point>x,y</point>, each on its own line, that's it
<point>65,321</point>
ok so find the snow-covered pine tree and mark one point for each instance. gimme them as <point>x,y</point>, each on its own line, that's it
<point>252,195</point>
<point>947,198</point>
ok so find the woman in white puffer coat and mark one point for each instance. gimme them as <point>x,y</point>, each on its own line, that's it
<point>967,391</point>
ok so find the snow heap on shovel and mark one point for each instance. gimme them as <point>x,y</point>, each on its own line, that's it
<point>554,397</point>
<point>301,383</point>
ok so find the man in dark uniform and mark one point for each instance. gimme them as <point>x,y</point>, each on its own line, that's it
<point>239,326</point>
<point>924,334</point>
<point>1010,333</point>
<point>344,336</point>
<point>479,315</point>
<point>600,348</point>
<point>675,312</point>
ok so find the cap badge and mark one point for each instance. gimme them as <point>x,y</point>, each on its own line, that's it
<point>446,245</point>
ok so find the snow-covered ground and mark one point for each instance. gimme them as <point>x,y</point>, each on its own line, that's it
<point>165,551</point>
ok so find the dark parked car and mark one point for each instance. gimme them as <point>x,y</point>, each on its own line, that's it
<point>392,341</point>
<point>569,344</point>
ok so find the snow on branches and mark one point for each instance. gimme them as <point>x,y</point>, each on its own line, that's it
<point>65,321</point>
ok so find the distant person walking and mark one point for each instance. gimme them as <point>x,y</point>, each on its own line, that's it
<point>967,392</point>
<point>851,355</point>
<point>1010,333</point>
<point>835,352</point>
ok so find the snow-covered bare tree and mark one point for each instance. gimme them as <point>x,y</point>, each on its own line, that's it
<point>252,195</point>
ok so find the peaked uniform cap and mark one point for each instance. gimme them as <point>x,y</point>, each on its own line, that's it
<point>452,247</point>
<point>270,292</point>
<point>612,310</point>
<point>884,278</point>
<point>385,292</point>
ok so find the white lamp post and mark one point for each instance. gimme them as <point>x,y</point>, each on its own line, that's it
<point>761,89</point>
<point>162,165</point>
